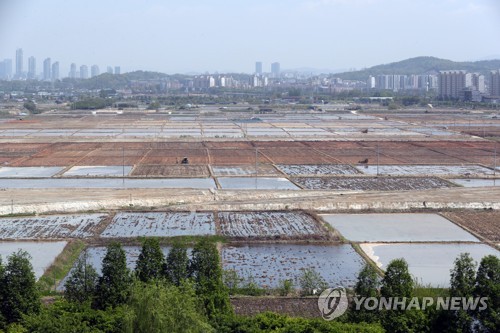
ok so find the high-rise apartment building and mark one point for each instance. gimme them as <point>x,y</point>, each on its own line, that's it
<point>19,63</point>
<point>258,68</point>
<point>55,71</point>
<point>31,68</point>
<point>478,82</point>
<point>6,69</point>
<point>275,69</point>
<point>84,72</point>
<point>47,69</point>
<point>94,71</point>
<point>109,70</point>
<point>495,83</point>
<point>117,70</point>
<point>453,83</point>
<point>72,71</point>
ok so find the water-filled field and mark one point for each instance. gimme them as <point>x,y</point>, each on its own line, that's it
<point>256,183</point>
<point>435,170</point>
<point>268,264</point>
<point>28,172</point>
<point>397,228</point>
<point>98,171</point>
<point>161,224</point>
<point>429,263</point>
<point>370,184</point>
<point>317,169</point>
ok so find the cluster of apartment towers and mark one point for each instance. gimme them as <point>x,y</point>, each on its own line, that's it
<point>50,70</point>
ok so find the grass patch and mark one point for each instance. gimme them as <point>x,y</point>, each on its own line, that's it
<point>61,267</point>
<point>19,215</point>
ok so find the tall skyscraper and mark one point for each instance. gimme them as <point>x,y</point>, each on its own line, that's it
<point>31,68</point>
<point>453,83</point>
<point>55,71</point>
<point>84,72</point>
<point>6,69</point>
<point>94,71</point>
<point>275,69</point>
<point>47,69</point>
<point>72,71</point>
<point>258,68</point>
<point>495,83</point>
<point>117,70</point>
<point>19,63</point>
<point>109,70</point>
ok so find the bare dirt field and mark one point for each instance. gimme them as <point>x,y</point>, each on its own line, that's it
<point>484,223</point>
<point>176,171</point>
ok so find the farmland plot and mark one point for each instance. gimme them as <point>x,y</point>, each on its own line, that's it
<point>161,224</point>
<point>317,169</point>
<point>370,184</point>
<point>270,224</point>
<point>50,227</point>
<point>484,223</point>
<point>29,172</point>
<point>42,254</point>
<point>436,170</point>
<point>268,264</point>
<point>178,170</point>
<point>245,170</point>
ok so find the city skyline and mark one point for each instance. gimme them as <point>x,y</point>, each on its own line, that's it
<point>192,36</point>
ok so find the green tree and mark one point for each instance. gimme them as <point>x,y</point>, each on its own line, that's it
<point>151,260</point>
<point>397,281</point>
<point>19,293</point>
<point>113,287</point>
<point>311,282</point>
<point>206,271</point>
<point>366,286</point>
<point>82,282</point>
<point>232,280</point>
<point>165,308</point>
<point>30,106</point>
<point>176,268</point>
<point>488,285</point>
<point>463,278</point>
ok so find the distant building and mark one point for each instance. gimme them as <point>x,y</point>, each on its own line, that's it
<point>55,71</point>
<point>495,83</point>
<point>109,70</point>
<point>275,69</point>
<point>72,71</point>
<point>94,71</point>
<point>117,70</point>
<point>6,69</point>
<point>31,68</point>
<point>478,82</point>
<point>19,63</point>
<point>258,68</point>
<point>453,83</point>
<point>84,72</point>
<point>47,69</point>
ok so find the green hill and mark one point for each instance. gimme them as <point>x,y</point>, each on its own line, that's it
<point>421,65</point>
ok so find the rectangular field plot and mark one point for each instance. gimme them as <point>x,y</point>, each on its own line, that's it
<point>42,254</point>
<point>397,228</point>
<point>476,182</point>
<point>245,170</point>
<point>483,223</point>
<point>428,263</point>
<point>98,171</point>
<point>28,172</point>
<point>179,170</point>
<point>317,169</point>
<point>162,224</point>
<point>433,170</point>
<point>56,226</point>
<point>370,184</point>
<point>276,225</point>
<point>268,264</point>
<point>256,183</point>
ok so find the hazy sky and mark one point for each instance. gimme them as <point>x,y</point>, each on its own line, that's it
<point>230,35</point>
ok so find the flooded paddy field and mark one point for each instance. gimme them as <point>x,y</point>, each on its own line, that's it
<point>428,263</point>
<point>160,224</point>
<point>477,182</point>
<point>98,171</point>
<point>397,228</point>
<point>370,184</point>
<point>275,225</point>
<point>317,169</point>
<point>197,183</point>
<point>268,264</point>
<point>435,170</point>
<point>51,226</point>
<point>29,172</point>
<point>42,254</point>
<point>256,183</point>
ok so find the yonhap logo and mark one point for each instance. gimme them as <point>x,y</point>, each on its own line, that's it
<point>332,303</point>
